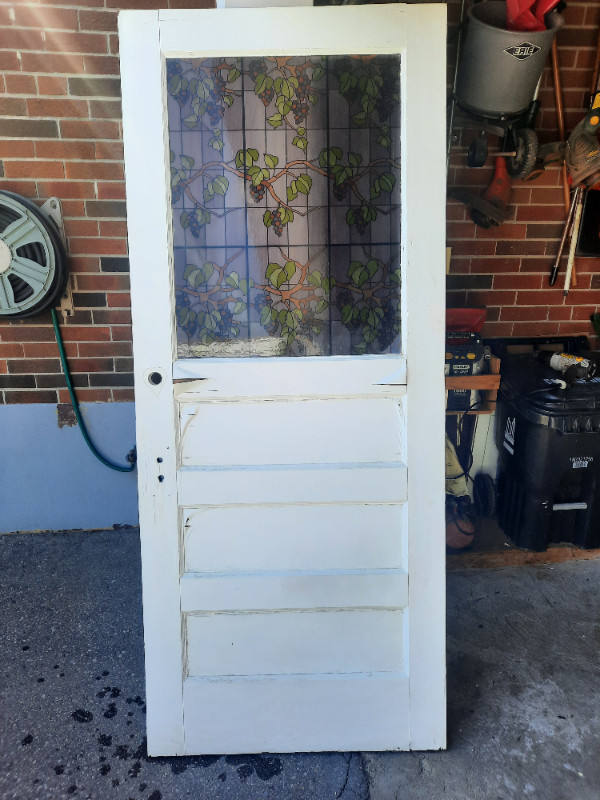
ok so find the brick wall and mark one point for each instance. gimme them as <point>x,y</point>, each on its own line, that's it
<point>506,268</point>
<point>60,135</point>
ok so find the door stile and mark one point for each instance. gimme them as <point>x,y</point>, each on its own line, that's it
<point>423,323</point>
<point>149,230</point>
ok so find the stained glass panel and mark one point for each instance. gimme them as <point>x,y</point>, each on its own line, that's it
<point>285,180</point>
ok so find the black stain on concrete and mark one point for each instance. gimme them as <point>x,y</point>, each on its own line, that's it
<point>265,767</point>
<point>72,789</point>
<point>104,740</point>
<point>27,739</point>
<point>156,795</point>
<point>104,769</point>
<point>80,715</point>
<point>59,769</point>
<point>111,711</point>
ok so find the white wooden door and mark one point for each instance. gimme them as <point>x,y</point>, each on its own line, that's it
<point>285,184</point>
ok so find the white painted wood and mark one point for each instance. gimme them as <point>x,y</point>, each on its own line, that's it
<point>150,258</point>
<point>294,642</point>
<point>268,592</point>
<point>325,483</point>
<point>423,299</point>
<point>305,377</point>
<point>286,537</point>
<point>301,432</point>
<point>371,710</point>
<point>297,713</point>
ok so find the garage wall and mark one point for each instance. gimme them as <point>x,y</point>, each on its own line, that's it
<point>506,268</point>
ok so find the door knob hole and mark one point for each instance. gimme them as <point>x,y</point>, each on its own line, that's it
<point>155,378</point>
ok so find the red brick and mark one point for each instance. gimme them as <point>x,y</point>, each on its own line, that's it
<point>94,170</point>
<point>492,329</point>
<point>32,396</point>
<point>85,334</point>
<point>583,312</point>
<point>66,189</point>
<point>534,329</point>
<point>578,328</point>
<point>16,148</point>
<point>95,43</point>
<point>103,282</point>
<point>9,61</point>
<point>26,333</point>
<point>99,246</point>
<point>73,208</point>
<point>118,300</point>
<point>34,169</point>
<point>11,350</point>
<point>518,281</point>
<point>546,297</point>
<point>94,350</point>
<point>81,227</point>
<point>123,395</point>
<point>92,365</point>
<point>84,263</point>
<point>460,230</point>
<point>114,316</point>
<point>89,129</point>
<point>101,65</point>
<point>25,187</point>
<point>559,313</point>
<point>495,264</point>
<point>46,350</point>
<point>475,248</point>
<point>113,228</point>
<point>20,84</point>
<point>494,298</point>
<point>109,151</point>
<point>95,20</point>
<point>506,231</point>
<point>51,84</point>
<point>66,150</point>
<point>508,248</point>
<point>111,191</point>
<point>105,109</point>
<point>13,107</point>
<point>86,395</point>
<point>19,39</point>
<point>44,107</point>
<point>52,62</point>
<point>45,17</point>
<point>521,312</point>
<point>3,367</point>
<point>32,366</point>
<point>535,213</point>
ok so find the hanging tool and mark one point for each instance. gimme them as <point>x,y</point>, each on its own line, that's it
<point>565,234</point>
<point>574,237</point>
<point>571,367</point>
<point>497,195</point>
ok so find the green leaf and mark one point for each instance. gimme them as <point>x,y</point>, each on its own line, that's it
<point>292,191</point>
<point>371,267</point>
<point>387,181</point>
<point>259,83</point>
<point>318,73</point>
<point>302,131</point>
<point>191,121</point>
<point>282,315</point>
<point>287,89</point>
<point>208,269</point>
<point>210,322</point>
<point>347,314</point>
<point>354,266</point>
<point>267,219</point>
<point>271,161</point>
<point>277,85</point>
<point>315,278</point>
<point>209,192</point>
<point>370,335</point>
<point>265,315</point>
<point>184,219</point>
<point>187,162</point>
<point>396,277</point>
<point>313,98</point>
<point>344,82</point>
<point>290,268</point>
<point>350,215</point>
<point>275,121</point>
<point>239,159</point>
<point>360,118</point>
<point>220,185</point>
<point>233,280</point>
<point>337,152</point>
<point>291,321</point>
<point>303,183</point>
<point>257,177</point>
<point>375,189</point>
<point>239,307</point>
<point>354,159</point>
<point>253,153</point>
<point>294,82</point>
<point>321,306</point>
<point>228,100</point>
<point>216,144</point>
<point>188,270</point>
<point>271,269</point>
<point>233,75</point>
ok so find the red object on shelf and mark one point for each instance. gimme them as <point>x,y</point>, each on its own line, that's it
<point>463,320</point>
<point>527,15</point>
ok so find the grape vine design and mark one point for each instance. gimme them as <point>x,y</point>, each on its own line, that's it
<point>293,300</point>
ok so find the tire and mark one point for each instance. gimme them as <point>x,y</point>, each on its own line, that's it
<point>484,495</point>
<point>522,164</point>
<point>478,152</point>
<point>33,259</point>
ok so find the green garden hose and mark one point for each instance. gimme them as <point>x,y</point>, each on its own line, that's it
<point>63,360</point>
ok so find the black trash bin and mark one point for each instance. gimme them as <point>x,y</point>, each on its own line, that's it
<point>548,441</point>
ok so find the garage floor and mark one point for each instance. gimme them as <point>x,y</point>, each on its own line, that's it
<point>523,689</point>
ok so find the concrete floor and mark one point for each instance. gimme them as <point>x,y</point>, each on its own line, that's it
<point>523,690</point>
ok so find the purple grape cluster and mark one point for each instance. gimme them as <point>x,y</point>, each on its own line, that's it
<point>340,191</point>
<point>257,192</point>
<point>300,106</point>
<point>174,68</point>
<point>263,301</point>
<point>224,325</point>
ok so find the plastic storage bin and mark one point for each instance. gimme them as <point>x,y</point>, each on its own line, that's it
<point>548,441</point>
